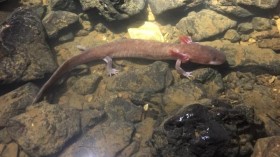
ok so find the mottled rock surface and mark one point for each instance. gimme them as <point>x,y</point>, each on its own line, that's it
<point>56,21</point>
<point>269,146</point>
<point>24,53</point>
<point>16,101</point>
<point>162,6</point>
<point>44,129</point>
<point>115,10</point>
<point>259,3</point>
<point>203,24</point>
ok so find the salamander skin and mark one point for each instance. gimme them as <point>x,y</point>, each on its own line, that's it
<point>137,48</point>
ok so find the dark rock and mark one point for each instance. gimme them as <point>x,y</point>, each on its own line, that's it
<point>115,10</point>
<point>229,7</point>
<point>261,4</point>
<point>44,129</point>
<point>16,101</point>
<point>150,79</point>
<point>245,28</point>
<point>66,5</point>
<point>261,24</point>
<point>24,53</point>
<point>273,43</point>
<point>268,146</point>
<point>198,130</point>
<point>203,24</point>
<point>232,35</point>
<point>55,21</point>
<point>161,6</point>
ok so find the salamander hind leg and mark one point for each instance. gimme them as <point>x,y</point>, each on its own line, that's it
<point>110,70</point>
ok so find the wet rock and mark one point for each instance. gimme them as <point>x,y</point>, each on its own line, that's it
<point>229,7</point>
<point>11,150</point>
<point>86,85</point>
<point>115,10</point>
<point>55,21</point>
<point>211,81</point>
<point>16,101</point>
<point>24,53</point>
<point>44,129</point>
<point>273,43</point>
<point>249,57</point>
<point>66,5</point>
<point>150,79</point>
<point>178,95</point>
<point>269,146</point>
<point>90,118</point>
<point>232,35</point>
<point>245,28</point>
<point>161,6</point>
<point>260,98</point>
<point>198,130</point>
<point>126,111</point>
<point>203,24</point>
<point>31,2</point>
<point>107,139</point>
<point>261,4</point>
<point>261,24</point>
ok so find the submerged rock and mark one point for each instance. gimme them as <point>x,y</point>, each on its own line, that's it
<point>203,24</point>
<point>44,129</point>
<point>198,130</point>
<point>162,6</point>
<point>24,53</point>
<point>56,21</point>
<point>115,10</point>
<point>16,101</point>
<point>269,146</point>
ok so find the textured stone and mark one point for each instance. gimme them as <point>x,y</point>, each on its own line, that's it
<point>204,24</point>
<point>24,53</point>
<point>264,4</point>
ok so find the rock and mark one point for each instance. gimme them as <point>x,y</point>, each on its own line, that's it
<point>90,118</point>
<point>261,24</point>
<point>232,35</point>
<point>24,53</point>
<point>269,146</point>
<point>245,28</point>
<point>258,3</point>
<point>44,129</point>
<point>107,139</point>
<point>31,2</point>
<point>199,130</point>
<point>203,24</point>
<point>126,111</point>
<point>16,101</point>
<point>150,79</point>
<point>65,5</point>
<point>86,84</point>
<point>273,43</point>
<point>11,150</point>
<point>55,21</point>
<point>178,95</point>
<point>229,7</point>
<point>258,97</point>
<point>115,10</point>
<point>162,6</point>
<point>248,57</point>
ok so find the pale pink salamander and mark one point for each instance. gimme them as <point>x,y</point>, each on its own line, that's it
<point>136,48</point>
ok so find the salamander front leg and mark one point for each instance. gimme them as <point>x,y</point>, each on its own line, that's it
<point>181,71</point>
<point>110,70</point>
